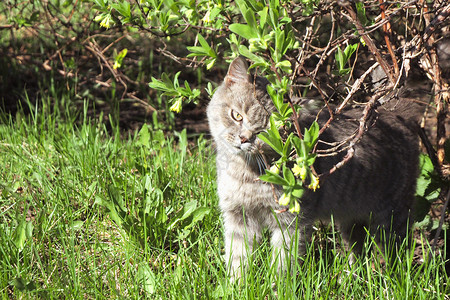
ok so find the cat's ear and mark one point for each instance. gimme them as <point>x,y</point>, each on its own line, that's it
<point>237,71</point>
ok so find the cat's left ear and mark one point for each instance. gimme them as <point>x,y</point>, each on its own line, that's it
<point>237,71</point>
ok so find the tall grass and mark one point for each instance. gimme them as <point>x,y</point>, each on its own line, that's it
<point>87,214</point>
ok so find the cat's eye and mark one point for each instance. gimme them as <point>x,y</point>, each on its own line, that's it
<point>236,116</point>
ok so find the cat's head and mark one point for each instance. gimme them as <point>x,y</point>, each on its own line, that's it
<point>239,111</point>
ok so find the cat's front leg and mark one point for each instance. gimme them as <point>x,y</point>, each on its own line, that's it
<point>240,235</point>
<point>283,239</point>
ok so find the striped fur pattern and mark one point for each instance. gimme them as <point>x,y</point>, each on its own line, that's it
<point>375,189</point>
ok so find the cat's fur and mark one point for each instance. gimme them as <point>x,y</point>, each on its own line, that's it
<point>375,189</point>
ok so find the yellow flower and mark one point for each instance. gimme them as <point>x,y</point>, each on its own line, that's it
<point>176,106</point>
<point>275,169</point>
<point>314,183</point>
<point>106,22</point>
<point>207,18</point>
<point>294,207</point>
<point>284,199</point>
<point>300,171</point>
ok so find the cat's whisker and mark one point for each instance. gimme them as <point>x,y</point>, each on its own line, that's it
<point>261,163</point>
<point>251,159</point>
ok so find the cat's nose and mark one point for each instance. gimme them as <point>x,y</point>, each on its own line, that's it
<point>245,136</point>
<point>243,139</point>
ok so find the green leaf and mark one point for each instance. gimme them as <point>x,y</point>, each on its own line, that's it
<point>298,191</point>
<point>263,16</point>
<point>123,8</point>
<point>197,216</point>
<point>361,13</point>
<point>273,129</point>
<point>272,141</point>
<point>196,51</point>
<point>311,135</point>
<point>287,147</point>
<point>203,42</point>
<point>428,183</point>
<point>273,178</point>
<point>342,58</point>
<point>173,83</point>
<point>249,17</point>
<point>285,66</point>
<point>243,30</point>
<point>424,179</point>
<point>288,176</point>
<point>20,284</point>
<point>339,56</point>
<point>204,50</point>
<point>118,60</point>
<point>210,63</point>
<point>311,159</point>
<point>279,42</point>
<point>146,278</point>
<point>111,210</point>
<point>102,4</point>
<point>247,13</point>
<point>160,85</point>
<point>300,147</point>
<point>77,225</point>
<point>420,210</point>
<point>19,236</point>
<point>259,61</point>
<point>277,99</point>
<point>144,136</point>
<point>314,130</point>
<point>349,50</point>
<point>188,209</point>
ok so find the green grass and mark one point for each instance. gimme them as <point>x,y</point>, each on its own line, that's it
<point>84,214</point>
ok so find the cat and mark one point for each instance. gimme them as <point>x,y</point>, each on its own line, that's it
<point>375,189</point>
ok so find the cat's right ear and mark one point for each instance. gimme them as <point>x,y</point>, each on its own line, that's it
<point>237,72</point>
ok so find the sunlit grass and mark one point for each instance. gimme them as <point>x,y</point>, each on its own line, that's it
<point>86,214</point>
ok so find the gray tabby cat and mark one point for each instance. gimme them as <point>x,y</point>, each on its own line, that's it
<point>375,189</point>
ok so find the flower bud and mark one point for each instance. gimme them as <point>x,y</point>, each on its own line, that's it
<point>314,183</point>
<point>176,106</point>
<point>300,171</point>
<point>284,199</point>
<point>294,207</point>
<point>275,169</point>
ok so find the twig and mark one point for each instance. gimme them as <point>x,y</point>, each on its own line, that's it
<point>430,150</point>
<point>373,49</point>
<point>361,129</point>
<point>434,71</point>
<point>387,31</point>
<point>355,87</point>
<point>295,117</point>
<point>94,50</point>
<point>441,221</point>
<point>324,53</point>
<point>294,113</point>
<point>322,93</point>
<point>305,45</point>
